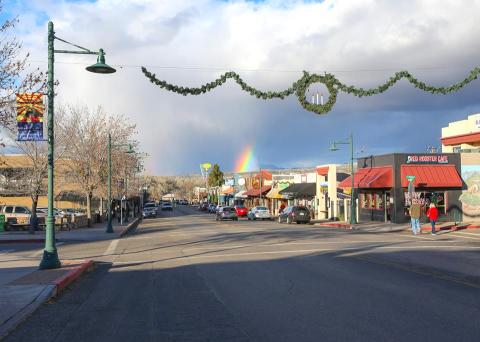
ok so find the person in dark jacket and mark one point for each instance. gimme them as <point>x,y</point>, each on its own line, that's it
<point>432,214</point>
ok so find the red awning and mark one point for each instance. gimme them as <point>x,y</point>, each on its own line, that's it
<point>265,175</point>
<point>370,177</point>
<point>322,170</point>
<point>461,139</point>
<point>432,176</point>
<point>256,192</point>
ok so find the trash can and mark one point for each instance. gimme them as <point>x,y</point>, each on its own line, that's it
<point>2,222</point>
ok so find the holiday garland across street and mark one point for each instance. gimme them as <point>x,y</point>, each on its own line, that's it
<point>300,87</point>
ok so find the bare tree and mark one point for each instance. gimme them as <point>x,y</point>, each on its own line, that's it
<point>30,178</point>
<point>15,76</point>
<point>87,154</point>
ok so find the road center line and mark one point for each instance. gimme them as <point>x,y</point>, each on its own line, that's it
<point>40,252</point>
<point>111,247</point>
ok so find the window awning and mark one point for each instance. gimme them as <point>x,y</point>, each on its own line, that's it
<point>370,177</point>
<point>241,194</point>
<point>228,191</point>
<point>300,190</point>
<point>256,192</point>
<point>322,170</point>
<point>431,176</point>
<point>274,194</point>
<point>461,139</point>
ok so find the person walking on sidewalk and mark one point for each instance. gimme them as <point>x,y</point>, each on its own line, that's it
<point>415,212</point>
<point>432,214</point>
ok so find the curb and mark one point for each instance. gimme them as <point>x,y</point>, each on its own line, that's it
<point>47,293</point>
<point>50,291</point>
<point>335,225</point>
<point>65,280</point>
<point>23,241</point>
<point>130,227</point>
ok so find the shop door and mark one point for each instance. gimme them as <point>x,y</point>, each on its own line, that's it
<point>388,207</point>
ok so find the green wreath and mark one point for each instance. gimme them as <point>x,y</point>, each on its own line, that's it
<point>300,87</point>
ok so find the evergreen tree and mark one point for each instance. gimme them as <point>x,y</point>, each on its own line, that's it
<point>215,178</point>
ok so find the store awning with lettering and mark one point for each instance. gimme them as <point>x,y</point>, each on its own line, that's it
<point>370,177</point>
<point>431,176</point>
<point>300,190</point>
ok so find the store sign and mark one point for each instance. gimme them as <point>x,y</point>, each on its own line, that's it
<point>414,197</point>
<point>427,159</point>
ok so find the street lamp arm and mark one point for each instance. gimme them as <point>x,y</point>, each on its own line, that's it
<point>77,52</point>
<point>77,46</point>
<point>342,142</point>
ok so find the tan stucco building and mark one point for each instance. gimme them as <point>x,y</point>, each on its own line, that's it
<point>462,135</point>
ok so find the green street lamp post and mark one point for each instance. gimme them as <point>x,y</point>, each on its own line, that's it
<point>50,256</point>
<point>333,147</point>
<point>130,150</point>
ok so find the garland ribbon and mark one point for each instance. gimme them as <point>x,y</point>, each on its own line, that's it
<point>300,87</point>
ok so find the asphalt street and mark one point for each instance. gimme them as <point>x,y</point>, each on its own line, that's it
<point>185,277</point>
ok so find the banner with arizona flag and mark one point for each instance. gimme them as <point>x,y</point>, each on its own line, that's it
<point>30,109</point>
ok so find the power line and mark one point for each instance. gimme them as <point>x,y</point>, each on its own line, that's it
<point>201,68</point>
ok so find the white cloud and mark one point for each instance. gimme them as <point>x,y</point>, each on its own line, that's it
<point>179,132</point>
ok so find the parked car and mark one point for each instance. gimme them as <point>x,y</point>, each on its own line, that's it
<point>217,208</point>
<point>70,211</point>
<point>241,210</point>
<point>259,213</point>
<point>167,206</point>
<point>203,206</point>
<point>16,215</point>
<point>226,213</point>
<point>298,214</point>
<point>150,210</point>
<point>212,208</point>
<point>56,212</point>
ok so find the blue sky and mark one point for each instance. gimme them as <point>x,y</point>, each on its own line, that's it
<point>362,42</point>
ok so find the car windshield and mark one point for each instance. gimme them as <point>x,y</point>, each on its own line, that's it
<point>227,209</point>
<point>262,208</point>
<point>149,205</point>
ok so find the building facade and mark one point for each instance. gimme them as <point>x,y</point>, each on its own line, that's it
<point>382,185</point>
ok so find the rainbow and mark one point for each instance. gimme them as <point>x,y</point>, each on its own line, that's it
<point>247,161</point>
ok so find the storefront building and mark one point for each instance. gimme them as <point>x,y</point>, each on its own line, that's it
<point>463,136</point>
<point>381,185</point>
<point>330,198</point>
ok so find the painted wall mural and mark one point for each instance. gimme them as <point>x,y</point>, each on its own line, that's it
<point>471,197</point>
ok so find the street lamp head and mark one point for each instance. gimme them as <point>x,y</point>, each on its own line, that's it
<point>130,149</point>
<point>333,147</point>
<point>100,67</point>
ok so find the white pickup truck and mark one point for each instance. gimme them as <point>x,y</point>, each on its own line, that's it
<point>16,215</point>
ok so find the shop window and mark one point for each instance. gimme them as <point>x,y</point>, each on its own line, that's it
<point>379,202</point>
<point>425,198</point>
<point>371,201</point>
<point>363,201</point>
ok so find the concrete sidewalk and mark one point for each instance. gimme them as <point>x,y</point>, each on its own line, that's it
<point>97,232</point>
<point>23,288</point>
<point>385,227</point>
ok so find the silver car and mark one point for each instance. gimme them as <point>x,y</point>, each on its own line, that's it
<point>226,213</point>
<point>259,213</point>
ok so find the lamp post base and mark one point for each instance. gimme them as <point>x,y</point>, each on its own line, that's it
<point>49,261</point>
<point>109,227</point>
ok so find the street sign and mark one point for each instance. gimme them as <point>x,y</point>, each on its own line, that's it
<point>410,178</point>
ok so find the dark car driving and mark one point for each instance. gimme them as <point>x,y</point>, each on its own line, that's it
<point>226,213</point>
<point>298,214</point>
